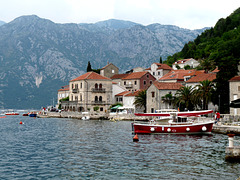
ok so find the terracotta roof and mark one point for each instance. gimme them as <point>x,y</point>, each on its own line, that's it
<point>114,83</point>
<point>135,75</point>
<point>109,65</point>
<point>195,73</point>
<point>202,77</point>
<point>182,61</point>
<point>133,93</point>
<point>169,86</point>
<point>216,70</point>
<point>177,74</point>
<point>90,75</point>
<point>64,88</point>
<point>118,76</point>
<point>163,66</point>
<point>148,69</point>
<point>235,78</point>
<point>123,93</point>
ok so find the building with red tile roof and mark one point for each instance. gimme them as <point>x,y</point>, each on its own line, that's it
<point>63,93</point>
<point>88,91</point>
<point>184,62</point>
<point>158,70</point>
<point>177,75</point>
<point>137,80</point>
<point>157,91</point>
<point>109,70</point>
<point>194,81</point>
<point>234,93</point>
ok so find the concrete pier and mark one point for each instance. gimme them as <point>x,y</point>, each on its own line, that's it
<point>232,152</point>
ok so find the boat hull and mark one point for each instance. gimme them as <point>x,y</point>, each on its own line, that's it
<point>11,114</point>
<point>32,115</point>
<point>196,128</point>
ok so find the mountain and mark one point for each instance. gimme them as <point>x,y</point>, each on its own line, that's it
<point>218,46</point>
<point>38,56</point>
<point>2,23</point>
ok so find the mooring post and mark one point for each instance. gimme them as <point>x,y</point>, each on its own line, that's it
<point>231,139</point>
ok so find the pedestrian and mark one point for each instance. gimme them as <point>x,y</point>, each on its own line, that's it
<point>217,117</point>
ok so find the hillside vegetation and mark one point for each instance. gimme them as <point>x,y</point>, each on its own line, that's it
<point>217,47</point>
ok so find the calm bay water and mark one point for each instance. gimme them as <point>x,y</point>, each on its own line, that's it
<point>75,149</point>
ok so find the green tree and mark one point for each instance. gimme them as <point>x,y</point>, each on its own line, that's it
<point>141,99</point>
<point>204,92</point>
<point>168,98</point>
<point>161,60</point>
<point>185,97</point>
<point>89,67</point>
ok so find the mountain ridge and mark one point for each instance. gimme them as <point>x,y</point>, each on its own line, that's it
<point>39,56</point>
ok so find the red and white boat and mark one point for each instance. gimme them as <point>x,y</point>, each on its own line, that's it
<point>11,113</point>
<point>181,123</point>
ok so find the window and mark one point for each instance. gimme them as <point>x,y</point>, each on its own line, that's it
<point>76,86</point>
<point>147,76</point>
<point>120,99</point>
<point>100,98</point>
<point>96,98</point>
<point>113,71</point>
<point>238,88</point>
<point>153,94</point>
<point>96,86</point>
<point>72,86</point>
<point>101,109</point>
<point>154,73</point>
<point>100,86</point>
<point>135,82</point>
<point>81,85</point>
<point>144,82</point>
<point>76,98</point>
<point>117,99</point>
<point>151,82</point>
<point>124,82</point>
<point>152,110</point>
<point>158,73</point>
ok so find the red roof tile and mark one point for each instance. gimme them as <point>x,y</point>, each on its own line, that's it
<point>182,61</point>
<point>216,70</point>
<point>177,74</point>
<point>235,78</point>
<point>202,77</point>
<point>168,86</point>
<point>109,65</point>
<point>90,75</point>
<point>118,76</point>
<point>163,66</point>
<point>64,88</point>
<point>123,93</point>
<point>133,93</point>
<point>135,75</point>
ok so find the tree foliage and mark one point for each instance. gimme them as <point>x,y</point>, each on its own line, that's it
<point>141,99</point>
<point>216,47</point>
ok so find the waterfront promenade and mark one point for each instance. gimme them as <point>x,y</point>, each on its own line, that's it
<point>224,127</point>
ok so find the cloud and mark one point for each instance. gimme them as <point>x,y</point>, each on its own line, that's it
<point>185,13</point>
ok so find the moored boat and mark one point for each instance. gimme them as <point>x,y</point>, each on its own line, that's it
<point>11,113</point>
<point>32,114</point>
<point>181,123</point>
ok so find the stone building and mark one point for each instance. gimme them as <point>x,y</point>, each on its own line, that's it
<point>137,80</point>
<point>234,94</point>
<point>109,70</point>
<point>156,93</point>
<point>184,62</point>
<point>89,92</point>
<point>158,70</point>
<point>63,93</point>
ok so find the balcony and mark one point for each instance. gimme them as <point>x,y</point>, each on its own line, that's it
<point>75,90</point>
<point>98,90</point>
<point>128,86</point>
<point>98,102</point>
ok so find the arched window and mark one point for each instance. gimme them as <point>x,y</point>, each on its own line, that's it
<point>96,98</point>
<point>100,86</point>
<point>96,86</point>
<point>100,98</point>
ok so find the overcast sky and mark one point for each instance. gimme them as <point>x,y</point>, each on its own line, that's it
<point>191,14</point>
